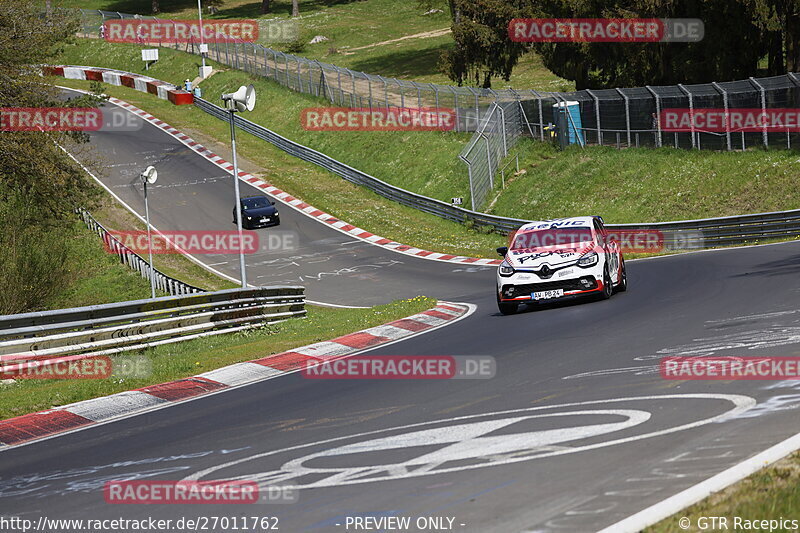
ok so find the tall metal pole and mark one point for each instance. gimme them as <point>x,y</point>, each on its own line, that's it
<point>200,14</point>
<point>149,243</point>
<point>238,203</point>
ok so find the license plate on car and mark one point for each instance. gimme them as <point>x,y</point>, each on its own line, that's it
<point>265,219</point>
<point>546,295</point>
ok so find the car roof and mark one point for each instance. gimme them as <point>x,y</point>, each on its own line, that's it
<point>578,222</point>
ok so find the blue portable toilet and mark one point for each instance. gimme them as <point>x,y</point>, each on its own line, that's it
<point>574,124</point>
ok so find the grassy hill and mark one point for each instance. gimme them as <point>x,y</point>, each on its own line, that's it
<point>392,38</point>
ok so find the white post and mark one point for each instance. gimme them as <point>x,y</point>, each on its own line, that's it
<point>149,244</point>
<point>238,203</point>
<point>205,71</point>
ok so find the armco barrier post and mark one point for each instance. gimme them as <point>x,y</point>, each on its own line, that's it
<point>627,117</point>
<point>763,109</point>
<point>658,115</point>
<point>691,113</point>
<point>597,116</point>
<point>727,116</point>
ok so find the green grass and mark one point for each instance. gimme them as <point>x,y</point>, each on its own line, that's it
<point>646,185</point>
<point>175,361</point>
<point>772,493</point>
<point>172,66</point>
<point>350,25</point>
<point>95,277</point>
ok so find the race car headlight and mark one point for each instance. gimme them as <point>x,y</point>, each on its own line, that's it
<point>249,218</point>
<point>506,269</point>
<point>588,260</point>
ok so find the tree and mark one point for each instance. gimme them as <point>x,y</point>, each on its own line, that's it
<point>483,49</point>
<point>155,9</point>
<point>39,184</point>
<point>295,8</point>
<point>738,33</point>
<point>265,7</point>
<point>32,162</point>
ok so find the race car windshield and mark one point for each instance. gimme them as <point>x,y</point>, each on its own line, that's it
<point>552,237</point>
<point>254,203</point>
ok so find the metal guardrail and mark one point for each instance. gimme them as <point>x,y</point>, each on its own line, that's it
<point>128,257</point>
<point>82,332</point>
<point>417,201</point>
<point>680,234</point>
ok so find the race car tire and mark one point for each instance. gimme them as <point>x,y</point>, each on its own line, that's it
<point>608,288</point>
<point>622,286</point>
<point>507,308</point>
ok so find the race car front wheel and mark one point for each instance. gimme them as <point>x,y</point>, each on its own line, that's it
<point>507,308</point>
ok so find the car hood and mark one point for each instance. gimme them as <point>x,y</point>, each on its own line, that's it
<point>533,258</point>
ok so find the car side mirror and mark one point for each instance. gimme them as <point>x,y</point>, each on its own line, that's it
<point>272,202</point>
<point>503,250</point>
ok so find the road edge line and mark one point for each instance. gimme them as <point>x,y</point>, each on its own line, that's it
<point>675,503</point>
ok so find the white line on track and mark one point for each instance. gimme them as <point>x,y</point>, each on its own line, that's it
<point>673,504</point>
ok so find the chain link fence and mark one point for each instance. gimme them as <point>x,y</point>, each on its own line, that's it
<point>498,132</point>
<point>609,117</point>
<point>615,117</point>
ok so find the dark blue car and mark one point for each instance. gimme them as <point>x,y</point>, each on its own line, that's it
<point>257,212</point>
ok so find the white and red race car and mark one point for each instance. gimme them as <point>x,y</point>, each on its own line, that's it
<point>559,259</point>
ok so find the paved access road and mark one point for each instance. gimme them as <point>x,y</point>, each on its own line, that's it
<point>575,431</point>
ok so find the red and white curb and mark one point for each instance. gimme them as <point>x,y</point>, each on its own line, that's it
<point>287,198</point>
<point>45,424</point>
<point>145,84</point>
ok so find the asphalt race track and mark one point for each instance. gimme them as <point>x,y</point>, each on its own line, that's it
<point>193,193</point>
<point>576,431</point>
